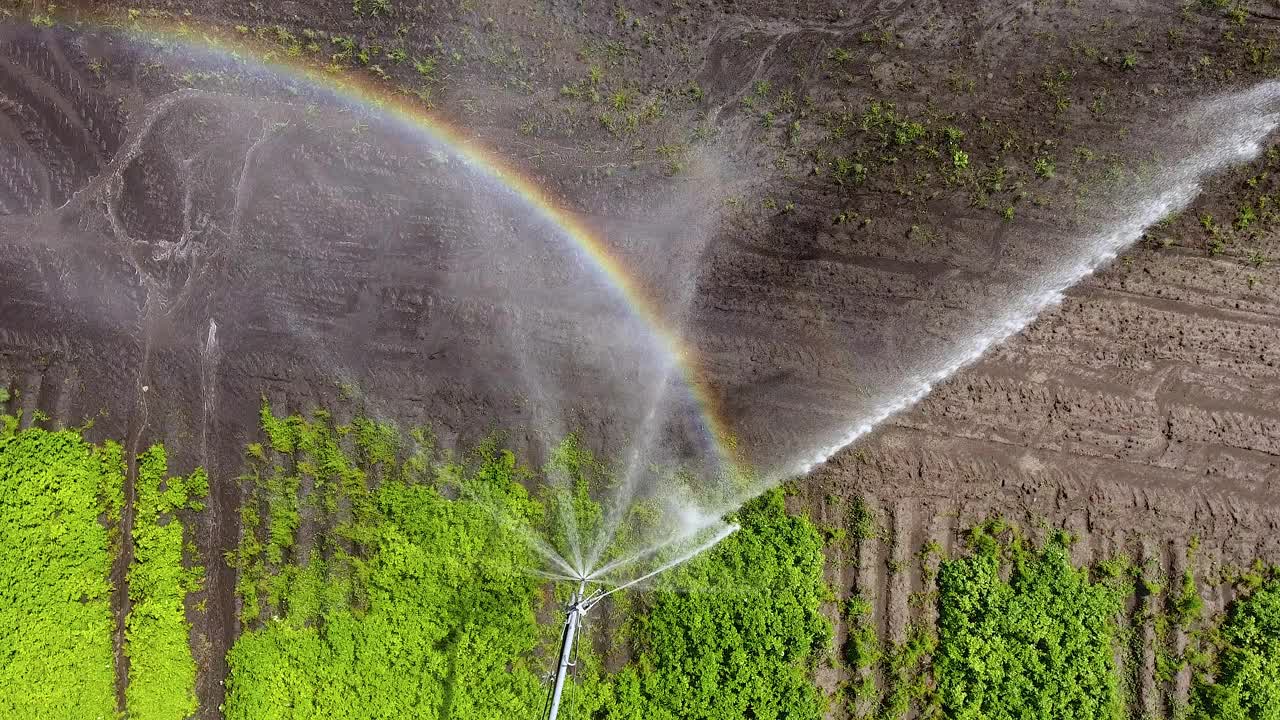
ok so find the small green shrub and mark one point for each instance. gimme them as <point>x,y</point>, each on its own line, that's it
<point>1247,683</point>
<point>1036,646</point>
<point>1245,217</point>
<point>862,522</point>
<point>736,632</point>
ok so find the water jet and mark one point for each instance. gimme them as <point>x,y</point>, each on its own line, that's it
<point>581,602</point>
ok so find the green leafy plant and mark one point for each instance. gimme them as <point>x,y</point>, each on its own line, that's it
<point>412,598</point>
<point>376,7</point>
<point>56,657</point>
<point>1247,682</point>
<point>736,632</point>
<point>1038,645</point>
<point>863,652</point>
<point>162,671</point>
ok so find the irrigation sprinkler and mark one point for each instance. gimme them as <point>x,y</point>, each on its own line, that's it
<point>581,603</point>
<point>575,613</point>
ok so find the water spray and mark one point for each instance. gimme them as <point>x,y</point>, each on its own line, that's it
<point>581,602</point>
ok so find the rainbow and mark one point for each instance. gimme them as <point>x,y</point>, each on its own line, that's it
<point>363,90</point>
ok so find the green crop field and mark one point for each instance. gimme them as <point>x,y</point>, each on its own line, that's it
<point>61,503</point>
<point>404,603</point>
<point>380,577</point>
<point>162,672</point>
<point>414,598</point>
<point>55,557</point>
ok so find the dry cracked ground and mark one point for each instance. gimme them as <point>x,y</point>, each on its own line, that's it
<point>833,198</point>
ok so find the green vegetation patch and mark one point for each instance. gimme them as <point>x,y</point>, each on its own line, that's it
<point>1038,645</point>
<point>55,557</point>
<point>737,632</point>
<point>863,653</point>
<point>379,579</point>
<point>1247,686</point>
<point>162,671</point>
<point>380,587</point>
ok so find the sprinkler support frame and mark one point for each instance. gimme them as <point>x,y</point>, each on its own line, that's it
<point>572,624</point>
<point>579,605</point>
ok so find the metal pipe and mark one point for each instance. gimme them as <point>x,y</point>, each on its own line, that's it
<point>576,610</point>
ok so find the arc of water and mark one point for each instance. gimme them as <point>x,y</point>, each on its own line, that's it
<point>1243,121</point>
<point>683,557</point>
<point>367,94</point>
<point>625,494</point>
<point>704,523</point>
<point>360,92</point>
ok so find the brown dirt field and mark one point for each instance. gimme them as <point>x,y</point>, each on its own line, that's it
<point>171,255</point>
